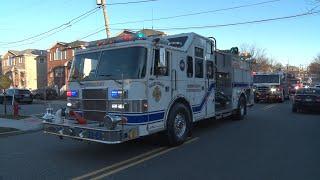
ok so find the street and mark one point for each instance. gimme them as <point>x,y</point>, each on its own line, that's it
<point>271,143</point>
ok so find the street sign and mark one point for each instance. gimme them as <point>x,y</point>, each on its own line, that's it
<point>5,82</point>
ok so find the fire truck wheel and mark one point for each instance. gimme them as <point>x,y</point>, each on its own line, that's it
<point>178,125</point>
<point>242,109</point>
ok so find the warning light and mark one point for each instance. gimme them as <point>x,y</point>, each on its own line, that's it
<point>140,35</point>
<point>72,93</point>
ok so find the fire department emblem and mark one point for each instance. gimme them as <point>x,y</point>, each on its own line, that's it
<point>156,93</point>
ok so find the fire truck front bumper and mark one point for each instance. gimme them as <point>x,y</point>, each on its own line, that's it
<point>268,96</point>
<point>91,132</point>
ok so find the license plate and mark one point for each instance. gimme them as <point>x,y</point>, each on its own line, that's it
<point>308,100</point>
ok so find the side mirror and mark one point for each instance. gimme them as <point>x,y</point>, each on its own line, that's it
<point>163,62</point>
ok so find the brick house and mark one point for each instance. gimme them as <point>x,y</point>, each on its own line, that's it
<point>60,57</point>
<point>26,68</point>
<point>0,65</point>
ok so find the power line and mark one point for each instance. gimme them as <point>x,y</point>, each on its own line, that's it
<point>188,14</point>
<point>242,23</point>
<point>70,22</point>
<point>225,25</point>
<point>76,19</point>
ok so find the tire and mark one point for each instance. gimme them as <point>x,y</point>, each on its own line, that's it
<point>241,110</point>
<point>179,124</point>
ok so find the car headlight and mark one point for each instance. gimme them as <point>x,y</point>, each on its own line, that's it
<point>273,89</point>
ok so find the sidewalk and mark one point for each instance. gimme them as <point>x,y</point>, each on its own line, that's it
<point>23,125</point>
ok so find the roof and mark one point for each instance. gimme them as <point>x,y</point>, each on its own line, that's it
<point>72,44</point>
<point>29,52</point>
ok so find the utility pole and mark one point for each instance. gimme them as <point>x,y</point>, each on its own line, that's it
<point>105,14</point>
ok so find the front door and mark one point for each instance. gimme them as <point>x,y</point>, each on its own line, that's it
<point>159,90</point>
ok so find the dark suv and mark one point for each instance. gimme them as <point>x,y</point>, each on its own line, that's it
<point>20,95</point>
<point>47,93</point>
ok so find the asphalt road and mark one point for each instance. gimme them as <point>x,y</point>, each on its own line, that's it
<point>271,143</point>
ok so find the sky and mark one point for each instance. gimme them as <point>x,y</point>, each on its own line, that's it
<point>296,41</point>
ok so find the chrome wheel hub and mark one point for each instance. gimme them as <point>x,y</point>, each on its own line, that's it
<point>180,125</point>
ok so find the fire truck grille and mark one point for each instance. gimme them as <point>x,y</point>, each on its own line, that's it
<point>263,89</point>
<point>94,103</point>
<point>100,105</point>
<point>94,94</point>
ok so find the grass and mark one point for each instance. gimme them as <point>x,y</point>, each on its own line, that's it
<point>10,116</point>
<point>7,129</point>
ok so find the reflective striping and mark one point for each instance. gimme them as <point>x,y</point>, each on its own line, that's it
<point>198,108</point>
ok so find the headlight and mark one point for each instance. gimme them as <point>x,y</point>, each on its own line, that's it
<point>119,106</point>
<point>73,104</point>
<point>273,89</point>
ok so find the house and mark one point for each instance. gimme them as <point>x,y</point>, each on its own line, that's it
<point>26,68</point>
<point>60,57</point>
<point>0,65</point>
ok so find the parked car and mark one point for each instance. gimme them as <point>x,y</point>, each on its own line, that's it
<point>306,99</point>
<point>43,93</point>
<point>19,95</point>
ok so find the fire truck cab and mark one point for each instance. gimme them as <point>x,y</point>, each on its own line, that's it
<point>131,86</point>
<point>270,87</point>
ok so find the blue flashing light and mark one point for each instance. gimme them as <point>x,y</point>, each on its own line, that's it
<point>72,93</point>
<point>116,93</point>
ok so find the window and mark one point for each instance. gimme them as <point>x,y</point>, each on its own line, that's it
<point>189,67</point>
<point>210,69</point>
<point>20,60</point>
<point>58,55</point>
<point>10,61</point>
<point>41,60</point>
<point>59,72</point>
<point>198,52</point>
<point>199,68</point>
<point>161,71</point>
<point>178,41</point>
<point>50,57</point>
<point>199,58</point>
<point>63,54</point>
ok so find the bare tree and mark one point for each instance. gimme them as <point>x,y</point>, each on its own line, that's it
<point>261,63</point>
<point>314,66</point>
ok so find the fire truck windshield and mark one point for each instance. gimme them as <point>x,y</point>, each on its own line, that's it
<point>110,64</point>
<point>266,79</point>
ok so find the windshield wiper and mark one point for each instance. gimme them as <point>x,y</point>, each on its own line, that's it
<point>110,77</point>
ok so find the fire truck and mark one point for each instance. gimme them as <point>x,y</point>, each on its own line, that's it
<point>270,87</point>
<point>134,85</point>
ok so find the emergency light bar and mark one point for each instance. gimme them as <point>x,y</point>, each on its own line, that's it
<point>126,37</point>
<point>72,93</point>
